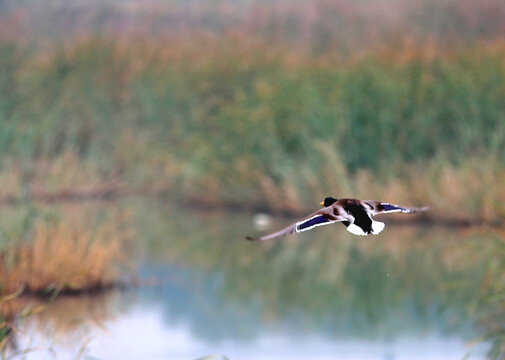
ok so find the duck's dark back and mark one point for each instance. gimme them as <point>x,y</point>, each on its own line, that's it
<point>362,219</point>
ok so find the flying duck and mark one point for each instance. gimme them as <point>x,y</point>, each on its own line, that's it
<point>355,214</point>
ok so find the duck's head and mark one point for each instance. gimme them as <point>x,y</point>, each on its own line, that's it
<point>328,201</point>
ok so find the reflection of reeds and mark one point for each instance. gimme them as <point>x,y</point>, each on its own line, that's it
<point>72,318</point>
<point>397,282</point>
<point>65,321</point>
<point>10,313</point>
<point>68,255</point>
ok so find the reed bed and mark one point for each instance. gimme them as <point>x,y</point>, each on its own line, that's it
<point>65,255</point>
<point>225,110</point>
<point>237,122</point>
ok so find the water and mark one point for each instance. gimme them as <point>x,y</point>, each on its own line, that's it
<point>409,293</point>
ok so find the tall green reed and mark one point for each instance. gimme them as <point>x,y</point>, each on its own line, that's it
<point>235,120</point>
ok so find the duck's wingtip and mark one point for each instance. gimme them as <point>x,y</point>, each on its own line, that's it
<point>424,208</point>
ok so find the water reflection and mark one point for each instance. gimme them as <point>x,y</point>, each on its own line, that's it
<point>144,332</point>
<point>64,325</point>
<point>409,293</point>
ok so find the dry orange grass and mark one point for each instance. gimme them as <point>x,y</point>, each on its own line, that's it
<point>65,255</point>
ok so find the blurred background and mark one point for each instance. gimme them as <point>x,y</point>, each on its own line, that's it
<point>140,141</point>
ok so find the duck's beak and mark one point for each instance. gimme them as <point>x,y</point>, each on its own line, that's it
<point>321,203</point>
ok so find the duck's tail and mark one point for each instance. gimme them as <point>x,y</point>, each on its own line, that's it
<point>377,227</point>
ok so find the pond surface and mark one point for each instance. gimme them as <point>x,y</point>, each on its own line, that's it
<point>413,292</point>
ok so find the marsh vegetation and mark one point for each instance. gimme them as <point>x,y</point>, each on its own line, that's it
<point>176,115</point>
<point>47,251</point>
<point>252,119</point>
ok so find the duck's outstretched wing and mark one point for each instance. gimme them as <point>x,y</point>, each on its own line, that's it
<point>379,207</point>
<point>321,217</point>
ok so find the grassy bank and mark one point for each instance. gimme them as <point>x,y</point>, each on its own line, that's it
<point>236,121</point>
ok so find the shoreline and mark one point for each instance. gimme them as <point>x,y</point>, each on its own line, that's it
<point>432,217</point>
